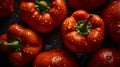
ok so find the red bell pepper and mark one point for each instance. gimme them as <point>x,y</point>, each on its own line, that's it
<point>22,44</point>
<point>82,32</point>
<point>55,58</point>
<point>6,8</point>
<point>43,15</point>
<point>86,4</point>
<point>105,57</point>
<point>111,17</point>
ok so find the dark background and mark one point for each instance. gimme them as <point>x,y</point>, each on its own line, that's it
<point>52,39</point>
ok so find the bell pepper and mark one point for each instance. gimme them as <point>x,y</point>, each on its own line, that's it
<point>22,45</point>
<point>56,57</point>
<point>6,8</point>
<point>82,32</point>
<point>87,4</point>
<point>111,17</point>
<point>43,15</point>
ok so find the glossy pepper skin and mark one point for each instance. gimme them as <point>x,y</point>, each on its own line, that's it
<point>82,32</point>
<point>43,15</point>
<point>111,17</point>
<point>6,8</point>
<point>86,4</point>
<point>106,57</point>
<point>22,44</point>
<point>55,58</point>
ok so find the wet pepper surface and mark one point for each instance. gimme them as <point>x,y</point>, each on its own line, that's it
<point>53,39</point>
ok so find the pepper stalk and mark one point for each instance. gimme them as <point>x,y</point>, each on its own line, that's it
<point>84,27</point>
<point>14,44</point>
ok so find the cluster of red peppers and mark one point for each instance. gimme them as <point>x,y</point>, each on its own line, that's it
<point>80,33</point>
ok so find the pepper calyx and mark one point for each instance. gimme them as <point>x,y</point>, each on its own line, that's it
<point>42,6</point>
<point>84,27</point>
<point>14,44</point>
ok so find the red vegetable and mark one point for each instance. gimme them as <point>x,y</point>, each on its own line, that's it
<point>111,17</point>
<point>6,8</point>
<point>3,48</point>
<point>43,15</point>
<point>55,58</point>
<point>82,32</point>
<point>106,57</point>
<point>86,4</point>
<point>22,44</point>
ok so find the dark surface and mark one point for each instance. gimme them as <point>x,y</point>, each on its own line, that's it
<point>52,39</point>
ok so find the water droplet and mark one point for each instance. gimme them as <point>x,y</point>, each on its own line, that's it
<point>53,2</point>
<point>31,53</point>
<point>69,26</point>
<point>49,66</point>
<point>64,65</point>
<point>108,58</point>
<point>65,29</point>
<point>56,59</point>
<point>27,46</point>
<point>118,25</point>
<point>118,31</point>
<point>94,40</point>
<point>45,21</point>
<point>58,8</point>
<point>27,51</point>
<point>33,16</point>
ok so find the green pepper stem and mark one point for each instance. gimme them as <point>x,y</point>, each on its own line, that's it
<point>84,27</point>
<point>14,44</point>
<point>42,5</point>
<point>90,16</point>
